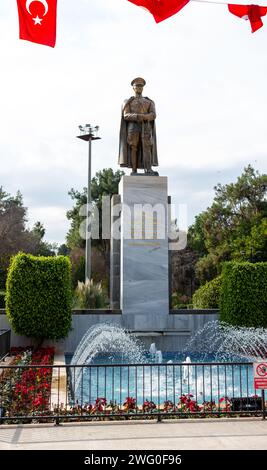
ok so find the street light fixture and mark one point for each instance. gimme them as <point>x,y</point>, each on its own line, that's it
<point>88,133</point>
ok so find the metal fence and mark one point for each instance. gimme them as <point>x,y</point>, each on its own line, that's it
<point>4,343</point>
<point>127,391</point>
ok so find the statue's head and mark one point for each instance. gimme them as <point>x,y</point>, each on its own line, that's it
<point>138,81</point>
<point>138,84</point>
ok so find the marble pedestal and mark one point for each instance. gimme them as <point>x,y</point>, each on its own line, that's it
<point>144,284</point>
<point>115,256</point>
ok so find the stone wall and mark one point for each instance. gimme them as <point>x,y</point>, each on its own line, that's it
<point>169,332</point>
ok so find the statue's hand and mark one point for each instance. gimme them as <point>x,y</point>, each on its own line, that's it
<point>140,117</point>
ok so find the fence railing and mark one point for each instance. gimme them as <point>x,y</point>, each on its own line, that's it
<point>124,391</point>
<point>4,343</point>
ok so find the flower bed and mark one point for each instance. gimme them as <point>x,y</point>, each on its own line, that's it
<point>186,407</point>
<point>28,394</point>
<point>26,391</point>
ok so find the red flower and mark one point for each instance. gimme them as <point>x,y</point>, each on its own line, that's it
<point>148,405</point>
<point>130,403</point>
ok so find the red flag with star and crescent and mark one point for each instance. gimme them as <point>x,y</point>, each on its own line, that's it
<point>38,21</point>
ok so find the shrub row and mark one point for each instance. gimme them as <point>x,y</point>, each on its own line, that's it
<point>39,296</point>
<point>208,296</point>
<point>240,293</point>
<point>243,300</point>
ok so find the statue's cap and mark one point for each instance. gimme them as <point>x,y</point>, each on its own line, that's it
<point>138,81</point>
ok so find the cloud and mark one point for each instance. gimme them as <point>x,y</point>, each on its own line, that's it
<point>54,218</point>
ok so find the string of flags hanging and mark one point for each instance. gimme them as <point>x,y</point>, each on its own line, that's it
<point>38,18</point>
<point>163,9</point>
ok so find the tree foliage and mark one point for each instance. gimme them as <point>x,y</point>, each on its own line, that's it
<point>105,183</point>
<point>63,250</point>
<point>44,248</point>
<point>234,227</point>
<point>14,236</point>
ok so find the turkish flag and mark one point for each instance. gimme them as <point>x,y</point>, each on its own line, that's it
<point>161,9</point>
<point>252,13</point>
<point>38,21</point>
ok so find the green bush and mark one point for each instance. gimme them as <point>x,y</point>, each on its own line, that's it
<point>208,296</point>
<point>39,296</point>
<point>2,299</point>
<point>244,294</point>
<point>89,295</point>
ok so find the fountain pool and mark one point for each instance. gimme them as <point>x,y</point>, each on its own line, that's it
<point>116,368</point>
<point>161,382</point>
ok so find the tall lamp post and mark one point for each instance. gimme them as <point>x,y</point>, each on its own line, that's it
<point>88,133</point>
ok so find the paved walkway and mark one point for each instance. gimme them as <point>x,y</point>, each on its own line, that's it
<point>176,434</point>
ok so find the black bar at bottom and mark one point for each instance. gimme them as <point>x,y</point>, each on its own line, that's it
<point>126,458</point>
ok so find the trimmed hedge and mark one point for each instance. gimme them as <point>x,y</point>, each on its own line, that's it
<point>243,299</point>
<point>208,296</point>
<point>39,296</point>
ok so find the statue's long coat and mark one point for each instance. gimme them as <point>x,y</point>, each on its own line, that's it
<point>124,148</point>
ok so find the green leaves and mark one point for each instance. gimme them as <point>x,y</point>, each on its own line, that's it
<point>234,227</point>
<point>243,300</point>
<point>105,183</point>
<point>39,296</point>
<point>208,296</point>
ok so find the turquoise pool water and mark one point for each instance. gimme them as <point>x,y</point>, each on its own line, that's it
<point>108,376</point>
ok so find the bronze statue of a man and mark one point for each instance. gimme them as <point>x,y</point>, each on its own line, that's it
<point>138,146</point>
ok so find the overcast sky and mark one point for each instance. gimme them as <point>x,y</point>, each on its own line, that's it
<point>204,69</point>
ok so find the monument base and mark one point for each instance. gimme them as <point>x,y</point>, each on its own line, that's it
<point>144,245</point>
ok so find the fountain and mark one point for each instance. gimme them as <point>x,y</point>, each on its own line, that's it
<point>187,370</point>
<point>225,341</point>
<point>159,356</point>
<point>167,380</point>
<point>155,353</point>
<point>106,339</point>
<point>152,349</point>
